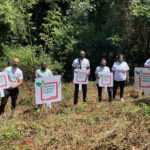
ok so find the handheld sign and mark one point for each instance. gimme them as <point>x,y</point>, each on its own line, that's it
<point>48,90</point>
<point>4,82</point>
<point>80,77</point>
<point>105,80</point>
<point>142,79</point>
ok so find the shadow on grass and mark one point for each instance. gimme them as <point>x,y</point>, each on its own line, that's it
<point>142,100</point>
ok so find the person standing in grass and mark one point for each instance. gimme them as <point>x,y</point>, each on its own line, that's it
<point>43,72</point>
<point>102,69</point>
<point>15,77</point>
<point>121,74</point>
<point>84,64</point>
<point>146,65</point>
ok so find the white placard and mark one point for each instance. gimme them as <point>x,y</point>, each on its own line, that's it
<point>80,76</point>
<point>142,79</point>
<point>4,82</point>
<point>48,90</point>
<point>105,79</point>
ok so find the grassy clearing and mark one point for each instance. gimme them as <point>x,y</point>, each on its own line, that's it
<point>91,126</point>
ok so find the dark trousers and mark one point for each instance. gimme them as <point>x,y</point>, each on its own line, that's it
<point>13,93</point>
<point>116,85</point>
<point>84,89</point>
<point>100,93</point>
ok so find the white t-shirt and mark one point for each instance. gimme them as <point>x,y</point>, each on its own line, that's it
<point>101,69</point>
<point>84,63</point>
<point>147,63</point>
<point>14,75</point>
<point>120,71</point>
<point>39,73</point>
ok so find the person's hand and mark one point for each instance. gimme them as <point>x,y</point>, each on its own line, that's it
<point>127,80</point>
<point>88,74</point>
<point>97,76</point>
<point>10,88</point>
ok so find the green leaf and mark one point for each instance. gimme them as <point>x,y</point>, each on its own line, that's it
<point>138,73</point>
<point>38,110</point>
<point>39,84</point>
<point>141,72</point>
<point>42,81</point>
<point>101,76</point>
<point>76,72</point>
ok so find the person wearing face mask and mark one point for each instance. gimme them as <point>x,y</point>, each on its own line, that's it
<point>104,69</point>
<point>15,77</point>
<point>43,72</point>
<point>84,64</point>
<point>121,74</point>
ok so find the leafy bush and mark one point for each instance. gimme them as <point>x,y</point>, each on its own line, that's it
<point>30,59</point>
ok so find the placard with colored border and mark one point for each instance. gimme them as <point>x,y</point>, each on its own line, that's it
<point>48,89</point>
<point>105,79</point>
<point>142,79</point>
<point>80,76</point>
<point>4,82</point>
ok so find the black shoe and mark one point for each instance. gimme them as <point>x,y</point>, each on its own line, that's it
<point>111,100</point>
<point>75,103</point>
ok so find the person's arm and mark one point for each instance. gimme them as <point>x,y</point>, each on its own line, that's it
<point>113,69</point>
<point>73,67</point>
<point>89,70</point>
<point>145,66</point>
<point>50,72</point>
<point>20,80</point>
<point>127,72</point>
<point>19,83</point>
<point>96,73</point>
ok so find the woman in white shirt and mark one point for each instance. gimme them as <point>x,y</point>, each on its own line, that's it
<point>147,63</point>
<point>102,68</point>
<point>121,74</point>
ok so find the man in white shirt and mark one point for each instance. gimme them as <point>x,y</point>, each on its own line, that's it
<point>84,64</point>
<point>121,74</point>
<point>43,72</point>
<point>15,77</point>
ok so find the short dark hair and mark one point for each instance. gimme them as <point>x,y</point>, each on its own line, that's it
<point>103,59</point>
<point>43,62</point>
<point>121,55</point>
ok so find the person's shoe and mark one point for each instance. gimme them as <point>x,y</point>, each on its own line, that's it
<point>121,99</point>
<point>75,103</point>
<point>85,101</point>
<point>11,114</point>
<point>99,99</point>
<point>113,99</point>
<point>110,100</point>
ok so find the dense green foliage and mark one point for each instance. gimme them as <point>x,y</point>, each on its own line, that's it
<point>55,31</point>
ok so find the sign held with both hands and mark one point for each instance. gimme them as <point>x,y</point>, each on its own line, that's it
<point>80,77</point>
<point>105,80</point>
